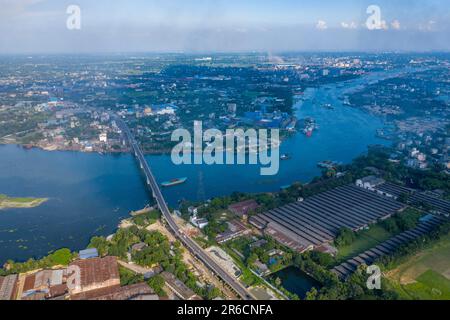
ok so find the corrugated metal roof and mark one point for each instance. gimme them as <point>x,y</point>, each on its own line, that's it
<point>88,253</point>
<point>57,277</point>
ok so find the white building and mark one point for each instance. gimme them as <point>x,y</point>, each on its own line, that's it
<point>369,182</point>
<point>103,137</point>
<point>199,222</point>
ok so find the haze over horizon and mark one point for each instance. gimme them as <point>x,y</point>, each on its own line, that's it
<point>29,26</point>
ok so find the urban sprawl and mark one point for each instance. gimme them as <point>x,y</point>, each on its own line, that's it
<point>387,207</point>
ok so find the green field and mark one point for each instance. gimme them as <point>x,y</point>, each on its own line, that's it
<point>366,239</point>
<point>425,276</point>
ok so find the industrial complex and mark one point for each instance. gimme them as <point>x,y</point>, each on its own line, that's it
<point>315,222</point>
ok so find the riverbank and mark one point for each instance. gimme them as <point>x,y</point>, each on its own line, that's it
<point>93,191</point>
<point>51,148</point>
<point>16,203</point>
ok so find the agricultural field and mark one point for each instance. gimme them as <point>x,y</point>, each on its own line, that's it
<point>425,276</point>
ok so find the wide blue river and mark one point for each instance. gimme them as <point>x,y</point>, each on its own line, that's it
<point>90,193</point>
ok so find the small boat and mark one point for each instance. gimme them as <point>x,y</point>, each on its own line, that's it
<point>310,126</point>
<point>173,182</point>
<point>285,156</point>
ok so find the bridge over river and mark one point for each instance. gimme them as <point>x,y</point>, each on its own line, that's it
<point>194,248</point>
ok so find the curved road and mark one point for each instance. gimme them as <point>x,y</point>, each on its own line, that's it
<point>188,242</point>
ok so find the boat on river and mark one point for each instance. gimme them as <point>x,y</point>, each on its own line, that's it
<point>174,182</point>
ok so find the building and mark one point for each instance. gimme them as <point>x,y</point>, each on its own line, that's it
<point>243,208</point>
<point>258,243</point>
<point>235,229</point>
<point>261,268</point>
<point>199,222</point>
<point>139,291</point>
<point>103,137</point>
<point>232,108</point>
<point>148,111</point>
<point>88,253</point>
<point>192,210</point>
<point>96,273</point>
<point>44,284</point>
<point>138,246</point>
<point>8,287</point>
<point>318,219</point>
<point>369,183</point>
<point>436,204</point>
<point>164,109</point>
<point>178,287</point>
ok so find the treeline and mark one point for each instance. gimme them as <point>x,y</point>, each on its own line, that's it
<point>61,257</point>
<point>402,221</point>
<point>332,288</point>
<point>147,218</point>
<point>355,287</point>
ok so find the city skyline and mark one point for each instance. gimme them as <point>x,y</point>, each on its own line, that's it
<point>39,26</point>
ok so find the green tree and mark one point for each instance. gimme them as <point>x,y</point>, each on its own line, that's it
<point>61,257</point>
<point>157,283</point>
<point>345,237</point>
<point>312,294</point>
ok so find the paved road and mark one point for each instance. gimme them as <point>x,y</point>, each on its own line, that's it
<point>187,241</point>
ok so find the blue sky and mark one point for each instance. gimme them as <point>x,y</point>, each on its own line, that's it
<point>223,25</point>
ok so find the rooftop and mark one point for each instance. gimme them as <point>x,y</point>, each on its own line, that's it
<point>318,219</point>
<point>97,272</point>
<point>243,208</point>
<point>139,291</point>
<point>178,287</point>
<point>88,253</point>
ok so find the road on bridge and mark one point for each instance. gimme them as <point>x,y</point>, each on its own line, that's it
<point>196,250</point>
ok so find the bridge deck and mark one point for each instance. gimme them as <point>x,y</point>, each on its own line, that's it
<point>188,242</point>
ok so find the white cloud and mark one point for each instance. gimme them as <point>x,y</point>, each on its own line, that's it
<point>321,25</point>
<point>428,26</point>
<point>351,25</point>
<point>10,7</point>
<point>395,25</point>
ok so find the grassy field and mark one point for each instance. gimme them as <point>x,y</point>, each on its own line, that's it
<point>425,276</point>
<point>366,239</point>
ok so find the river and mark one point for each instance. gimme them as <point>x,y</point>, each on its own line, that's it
<point>89,193</point>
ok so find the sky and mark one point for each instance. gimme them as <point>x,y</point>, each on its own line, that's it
<point>40,26</point>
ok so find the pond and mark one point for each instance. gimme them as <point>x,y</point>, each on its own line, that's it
<point>296,281</point>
